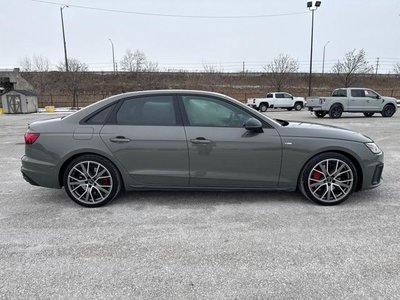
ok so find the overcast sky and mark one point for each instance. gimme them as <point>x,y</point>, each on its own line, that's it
<point>33,28</point>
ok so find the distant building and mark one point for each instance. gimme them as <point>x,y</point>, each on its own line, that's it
<point>13,80</point>
<point>19,102</point>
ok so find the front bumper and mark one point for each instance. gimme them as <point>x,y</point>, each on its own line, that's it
<point>39,173</point>
<point>372,173</point>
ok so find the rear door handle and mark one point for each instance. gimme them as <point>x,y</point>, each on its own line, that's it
<point>200,140</point>
<point>120,139</point>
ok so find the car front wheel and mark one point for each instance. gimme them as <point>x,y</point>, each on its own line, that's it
<point>388,111</point>
<point>91,181</point>
<point>328,179</point>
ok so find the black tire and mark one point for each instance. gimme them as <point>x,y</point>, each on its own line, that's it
<point>335,111</point>
<point>369,114</point>
<point>298,106</point>
<point>320,114</point>
<point>336,186</point>
<point>388,111</point>
<point>289,108</point>
<point>263,107</point>
<point>91,181</point>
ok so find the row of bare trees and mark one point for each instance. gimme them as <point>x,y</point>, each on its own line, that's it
<point>132,61</point>
<point>348,69</point>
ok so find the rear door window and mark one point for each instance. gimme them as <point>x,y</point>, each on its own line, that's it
<point>147,111</point>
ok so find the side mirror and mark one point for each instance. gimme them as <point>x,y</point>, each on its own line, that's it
<point>378,97</point>
<point>253,124</point>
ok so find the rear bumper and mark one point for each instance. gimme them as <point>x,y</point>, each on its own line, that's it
<point>252,105</point>
<point>314,108</point>
<point>39,173</point>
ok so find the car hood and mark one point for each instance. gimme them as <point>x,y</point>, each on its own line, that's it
<point>313,130</point>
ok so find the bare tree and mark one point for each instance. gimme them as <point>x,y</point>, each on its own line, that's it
<point>352,65</point>
<point>76,72</point>
<point>137,62</point>
<point>26,64</point>
<point>133,61</point>
<point>74,65</point>
<point>212,68</point>
<point>151,66</point>
<point>396,68</point>
<point>280,69</point>
<point>38,63</point>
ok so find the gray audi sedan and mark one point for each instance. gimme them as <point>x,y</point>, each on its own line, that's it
<point>194,140</point>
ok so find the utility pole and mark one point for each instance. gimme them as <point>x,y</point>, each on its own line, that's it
<point>63,32</point>
<point>243,66</point>
<point>113,57</point>
<point>312,6</point>
<point>377,65</point>
<point>323,57</point>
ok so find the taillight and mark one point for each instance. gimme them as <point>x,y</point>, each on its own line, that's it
<point>31,137</point>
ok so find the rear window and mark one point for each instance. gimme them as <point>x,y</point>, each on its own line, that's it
<point>101,116</point>
<point>339,93</point>
<point>357,93</point>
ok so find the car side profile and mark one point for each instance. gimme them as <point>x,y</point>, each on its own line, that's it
<point>194,140</point>
<point>353,100</point>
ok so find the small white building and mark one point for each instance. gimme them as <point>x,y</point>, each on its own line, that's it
<point>19,102</point>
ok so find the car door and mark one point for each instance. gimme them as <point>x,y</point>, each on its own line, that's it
<point>357,102</point>
<point>222,153</point>
<point>146,136</point>
<point>287,101</point>
<point>373,101</point>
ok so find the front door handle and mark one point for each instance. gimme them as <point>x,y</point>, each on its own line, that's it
<point>200,140</point>
<point>120,139</point>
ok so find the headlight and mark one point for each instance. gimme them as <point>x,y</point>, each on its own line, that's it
<point>373,147</point>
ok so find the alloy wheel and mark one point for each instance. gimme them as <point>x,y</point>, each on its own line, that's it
<point>330,180</point>
<point>89,182</point>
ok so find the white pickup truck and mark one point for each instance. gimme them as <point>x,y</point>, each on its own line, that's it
<point>276,100</point>
<point>357,100</point>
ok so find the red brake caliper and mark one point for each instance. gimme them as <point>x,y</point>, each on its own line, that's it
<point>105,181</point>
<point>316,175</point>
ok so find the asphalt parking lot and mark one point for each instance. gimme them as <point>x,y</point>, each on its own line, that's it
<point>201,245</point>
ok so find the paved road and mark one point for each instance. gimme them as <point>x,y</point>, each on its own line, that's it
<point>200,245</point>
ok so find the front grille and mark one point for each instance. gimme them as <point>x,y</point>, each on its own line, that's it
<point>377,174</point>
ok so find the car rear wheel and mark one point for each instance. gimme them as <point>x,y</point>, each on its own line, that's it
<point>368,115</point>
<point>263,107</point>
<point>91,181</point>
<point>388,111</point>
<point>298,106</point>
<point>336,111</point>
<point>328,179</point>
<point>320,114</point>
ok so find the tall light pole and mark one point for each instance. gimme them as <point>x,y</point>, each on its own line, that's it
<point>312,5</point>
<point>323,57</point>
<point>113,57</point>
<point>63,32</point>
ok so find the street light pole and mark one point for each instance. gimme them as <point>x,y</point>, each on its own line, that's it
<point>113,57</point>
<point>323,57</point>
<point>312,5</point>
<point>63,32</point>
